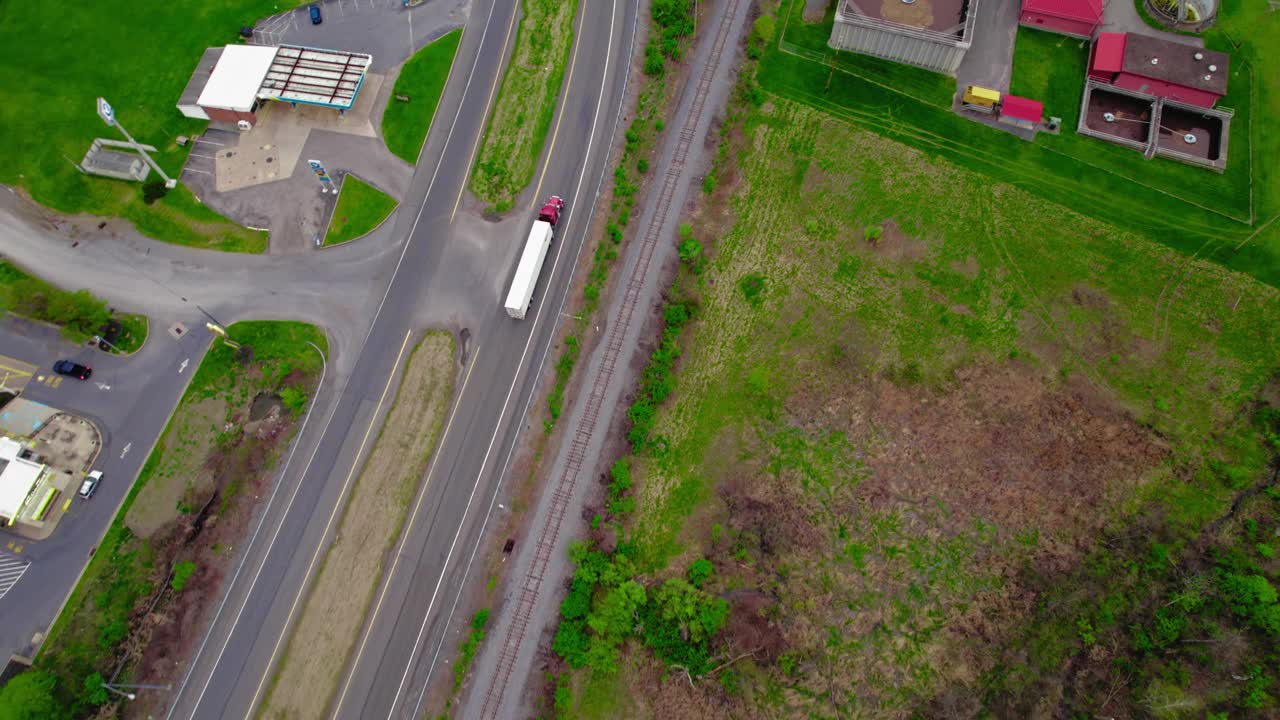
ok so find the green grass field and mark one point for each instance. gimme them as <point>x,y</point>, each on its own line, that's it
<point>361,208</point>
<point>1224,217</point>
<point>422,79</point>
<point>56,62</point>
<point>526,102</point>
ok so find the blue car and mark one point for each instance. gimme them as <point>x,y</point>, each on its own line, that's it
<point>315,15</point>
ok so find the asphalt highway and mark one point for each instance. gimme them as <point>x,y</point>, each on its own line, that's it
<point>453,270</point>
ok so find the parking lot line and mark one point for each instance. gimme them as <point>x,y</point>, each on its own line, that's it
<point>11,571</point>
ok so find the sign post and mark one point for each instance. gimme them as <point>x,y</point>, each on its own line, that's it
<point>322,175</point>
<point>108,115</point>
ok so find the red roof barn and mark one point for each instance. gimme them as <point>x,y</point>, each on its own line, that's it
<point>1078,18</point>
<point>1159,67</point>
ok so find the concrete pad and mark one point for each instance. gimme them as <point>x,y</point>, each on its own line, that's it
<point>247,164</point>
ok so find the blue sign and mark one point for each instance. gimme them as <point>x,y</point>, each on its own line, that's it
<point>321,174</point>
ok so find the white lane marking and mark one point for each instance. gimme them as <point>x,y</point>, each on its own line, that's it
<point>125,451</point>
<point>11,571</point>
<point>183,365</point>
<point>103,386</point>
<point>377,314</point>
<point>591,136</point>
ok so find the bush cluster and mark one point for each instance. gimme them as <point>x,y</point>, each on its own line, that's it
<point>79,313</point>
<point>658,379</point>
<point>606,606</point>
<point>673,21</point>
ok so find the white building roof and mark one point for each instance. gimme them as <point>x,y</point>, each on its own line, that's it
<point>234,82</point>
<point>17,478</point>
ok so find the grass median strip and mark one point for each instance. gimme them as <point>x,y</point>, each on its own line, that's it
<point>526,103</point>
<point>361,208</point>
<point>405,123</point>
<point>336,606</point>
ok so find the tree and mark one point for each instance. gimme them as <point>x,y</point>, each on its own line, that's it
<point>694,612</point>
<point>616,616</point>
<point>29,696</point>
<point>95,691</point>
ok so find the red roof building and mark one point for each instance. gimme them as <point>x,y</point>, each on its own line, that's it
<point>1022,108</point>
<point>1159,67</point>
<point>1077,18</point>
<point>1021,112</point>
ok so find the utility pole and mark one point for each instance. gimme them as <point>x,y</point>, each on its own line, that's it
<point>99,339</point>
<point>108,116</point>
<point>120,689</point>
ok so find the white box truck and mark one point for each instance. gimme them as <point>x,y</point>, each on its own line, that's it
<point>535,252</point>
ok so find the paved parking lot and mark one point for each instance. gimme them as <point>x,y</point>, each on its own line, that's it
<point>129,400</point>
<point>385,29</point>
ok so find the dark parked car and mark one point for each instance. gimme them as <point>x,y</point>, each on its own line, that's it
<point>72,369</point>
<point>315,15</point>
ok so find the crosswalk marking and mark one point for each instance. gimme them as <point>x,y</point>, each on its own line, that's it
<point>12,569</point>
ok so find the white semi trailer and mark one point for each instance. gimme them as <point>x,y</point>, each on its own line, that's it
<point>531,259</point>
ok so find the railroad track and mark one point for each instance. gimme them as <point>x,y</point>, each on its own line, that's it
<point>533,584</point>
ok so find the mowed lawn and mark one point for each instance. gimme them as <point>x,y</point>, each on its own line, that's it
<point>422,79</point>
<point>57,59</point>
<point>361,208</point>
<point>1221,216</point>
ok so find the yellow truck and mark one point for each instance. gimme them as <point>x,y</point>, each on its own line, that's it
<point>981,99</point>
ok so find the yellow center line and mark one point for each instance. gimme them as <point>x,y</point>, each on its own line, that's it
<point>573,60</point>
<point>413,518</point>
<point>355,463</point>
<point>475,147</point>
<point>8,363</point>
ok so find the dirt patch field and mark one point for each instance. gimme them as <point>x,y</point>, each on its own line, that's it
<point>335,608</point>
<point>896,451</point>
<point>183,448</point>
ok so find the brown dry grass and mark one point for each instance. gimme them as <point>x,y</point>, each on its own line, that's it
<point>335,608</point>
<point>193,432</point>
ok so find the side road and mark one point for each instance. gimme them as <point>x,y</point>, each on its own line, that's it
<point>532,591</point>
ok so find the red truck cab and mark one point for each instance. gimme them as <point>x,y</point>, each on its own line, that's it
<point>550,212</point>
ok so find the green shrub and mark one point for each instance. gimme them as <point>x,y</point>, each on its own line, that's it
<point>294,400</point>
<point>700,571</point>
<point>752,287</point>
<point>1253,598</point>
<point>181,574</point>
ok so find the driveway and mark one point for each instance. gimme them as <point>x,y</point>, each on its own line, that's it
<point>130,400</point>
<point>989,62</point>
<point>1122,16</point>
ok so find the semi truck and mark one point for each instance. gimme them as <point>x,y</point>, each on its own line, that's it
<point>535,252</point>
